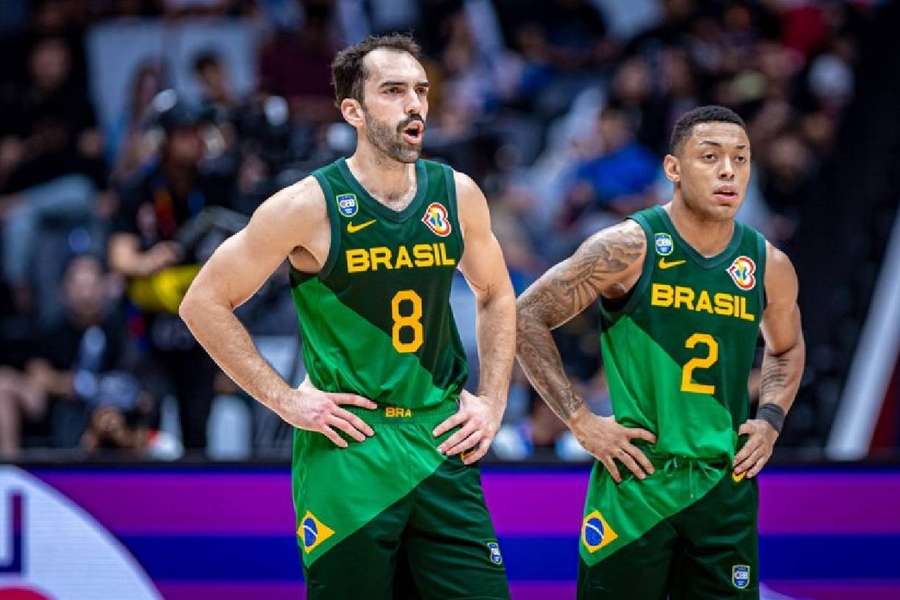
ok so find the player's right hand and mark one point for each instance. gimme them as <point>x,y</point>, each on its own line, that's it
<point>609,441</point>
<point>314,410</point>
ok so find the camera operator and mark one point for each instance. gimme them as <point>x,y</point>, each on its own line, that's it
<point>149,246</point>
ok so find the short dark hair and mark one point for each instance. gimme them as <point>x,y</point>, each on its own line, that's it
<point>348,74</point>
<point>702,114</point>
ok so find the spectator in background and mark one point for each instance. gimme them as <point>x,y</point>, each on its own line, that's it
<point>51,398</point>
<point>48,126</point>
<point>130,146</point>
<point>613,184</point>
<point>155,207</point>
<point>308,51</point>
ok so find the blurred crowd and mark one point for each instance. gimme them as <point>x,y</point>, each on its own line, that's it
<point>560,109</point>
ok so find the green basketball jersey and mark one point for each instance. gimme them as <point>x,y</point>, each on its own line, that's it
<point>376,320</point>
<point>678,351</point>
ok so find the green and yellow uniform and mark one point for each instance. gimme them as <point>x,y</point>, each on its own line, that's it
<point>677,353</point>
<point>390,515</point>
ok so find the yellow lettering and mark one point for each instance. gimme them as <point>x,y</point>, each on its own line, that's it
<point>724,304</point>
<point>380,256</point>
<point>397,412</point>
<point>423,255</point>
<point>661,295</point>
<point>357,260</point>
<point>703,302</point>
<point>446,260</point>
<point>403,259</point>
<point>684,295</point>
<point>744,314</point>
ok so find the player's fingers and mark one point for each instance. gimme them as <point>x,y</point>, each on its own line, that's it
<point>611,467</point>
<point>334,437</point>
<point>641,434</point>
<point>355,400</point>
<point>456,438</point>
<point>748,462</point>
<point>476,453</point>
<point>630,464</point>
<point>466,445</point>
<point>449,423</point>
<point>346,427</point>
<point>745,429</point>
<point>751,445</point>
<point>353,420</point>
<point>754,471</point>
<point>640,457</point>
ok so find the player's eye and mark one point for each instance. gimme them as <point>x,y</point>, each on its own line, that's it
<point>709,156</point>
<point>741,159</point>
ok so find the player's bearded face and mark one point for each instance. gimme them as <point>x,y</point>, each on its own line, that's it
<point>401,142</point>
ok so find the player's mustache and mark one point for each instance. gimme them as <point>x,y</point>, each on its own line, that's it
<point>406,122</point>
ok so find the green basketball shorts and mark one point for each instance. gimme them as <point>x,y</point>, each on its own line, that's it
<point>391,517</point>
<point>686,532</point>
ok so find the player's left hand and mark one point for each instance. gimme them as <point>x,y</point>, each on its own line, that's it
<point>478,419</point>
<point>758,449</point>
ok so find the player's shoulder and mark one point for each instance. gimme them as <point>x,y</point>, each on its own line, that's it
<point>303,199</point>
<point>781,277</point>
<point>466,188</point>
<point>627,233</point>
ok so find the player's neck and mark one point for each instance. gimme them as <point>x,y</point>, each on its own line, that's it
<point>389,181</point>
<point>706,236</point>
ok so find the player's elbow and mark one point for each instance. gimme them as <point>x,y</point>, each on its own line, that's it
<point>188,309</point>
<point>192,305</point>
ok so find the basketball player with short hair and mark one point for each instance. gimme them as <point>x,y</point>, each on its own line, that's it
<point>387,496</point>
<point>683,291</point>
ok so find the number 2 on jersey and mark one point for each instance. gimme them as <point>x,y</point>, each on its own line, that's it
<point>412,320</point>
<point>687,372</point>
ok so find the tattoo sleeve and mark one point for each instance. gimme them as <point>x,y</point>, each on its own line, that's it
<point>780,376</point>
<point>560,294</point>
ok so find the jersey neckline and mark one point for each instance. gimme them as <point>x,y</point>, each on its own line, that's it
<point>703,261</point>
<point>374,205</point>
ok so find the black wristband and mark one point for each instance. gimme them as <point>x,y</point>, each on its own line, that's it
<point>772,414</point>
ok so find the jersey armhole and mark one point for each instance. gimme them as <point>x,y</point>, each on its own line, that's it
<point>334,245</point>
<point>450,182</point>
<point>762,255</point>
<point>640,286</point>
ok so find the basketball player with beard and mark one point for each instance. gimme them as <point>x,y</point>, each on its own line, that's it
<point>387,494</point>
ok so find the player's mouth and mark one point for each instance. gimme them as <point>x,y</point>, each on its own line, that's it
<point>412,133</point>
<point>726,194</point>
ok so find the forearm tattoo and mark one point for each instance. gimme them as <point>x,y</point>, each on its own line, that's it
<point>560,294</point>
<point>774,378</point>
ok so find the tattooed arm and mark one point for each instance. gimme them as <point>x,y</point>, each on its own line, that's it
<point>610,258</point>
<point>782,365</point>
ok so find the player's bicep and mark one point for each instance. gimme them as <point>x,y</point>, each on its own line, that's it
<point>608,257</point>
<point>482,263</point>
<point>781,322</point>
<point>243,262</point>
<point>238,268</point>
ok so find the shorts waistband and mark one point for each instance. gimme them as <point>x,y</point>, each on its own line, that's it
<point>399,415</point>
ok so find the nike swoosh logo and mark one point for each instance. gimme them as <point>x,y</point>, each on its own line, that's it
<point>351,228</point>
<point>668,265</point>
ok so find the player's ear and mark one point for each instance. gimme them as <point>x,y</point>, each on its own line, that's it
<point>672,168</point>
<point>352,112</point>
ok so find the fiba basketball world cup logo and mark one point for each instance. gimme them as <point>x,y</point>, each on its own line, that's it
<point>51,549</point>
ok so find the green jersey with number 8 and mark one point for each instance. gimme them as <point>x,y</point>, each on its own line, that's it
<point>376,320</point>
